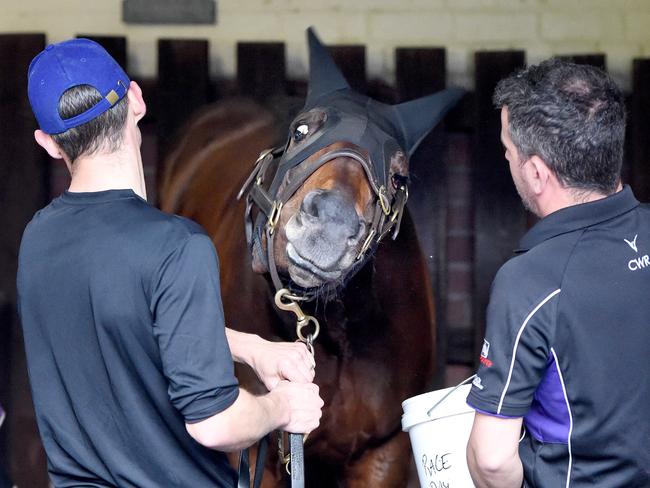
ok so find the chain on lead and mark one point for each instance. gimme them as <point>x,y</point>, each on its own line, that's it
<point>284,300</point>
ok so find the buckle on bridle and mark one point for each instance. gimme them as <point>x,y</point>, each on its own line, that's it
<point>274,216</point>
<point>366,244</point>
<point>383,200</point>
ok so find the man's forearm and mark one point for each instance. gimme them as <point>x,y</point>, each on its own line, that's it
<point>239,426</point>
<point>489,474</point>
<point>294,407</point>
<point>493,452</point>
<point>242,345</point>
<point>272,361</point>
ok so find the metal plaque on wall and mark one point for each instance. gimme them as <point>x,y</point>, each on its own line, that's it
<point>169,11</point>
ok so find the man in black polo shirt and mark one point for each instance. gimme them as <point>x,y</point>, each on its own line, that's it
<point>130,364</point>
<point>568,325</point>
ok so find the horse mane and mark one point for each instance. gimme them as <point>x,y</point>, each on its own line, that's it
<point>230,134</point>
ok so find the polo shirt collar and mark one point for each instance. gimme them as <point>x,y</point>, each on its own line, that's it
<point>579,216</point>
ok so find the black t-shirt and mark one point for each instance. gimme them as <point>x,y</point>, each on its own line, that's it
<point>124,334</point>
<point>567,346</point>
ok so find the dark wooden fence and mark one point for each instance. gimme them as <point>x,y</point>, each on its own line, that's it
<point>468,213</point>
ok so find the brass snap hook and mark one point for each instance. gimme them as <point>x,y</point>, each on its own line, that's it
<point>302,320</point>
<point>291,305</point>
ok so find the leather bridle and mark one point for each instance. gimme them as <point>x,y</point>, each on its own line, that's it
<point>387,213</point>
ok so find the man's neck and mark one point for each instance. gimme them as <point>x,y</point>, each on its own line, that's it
<point>567,197</point>
<point>102,171</point>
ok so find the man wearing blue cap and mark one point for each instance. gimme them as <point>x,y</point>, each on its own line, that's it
<point>129,360</point>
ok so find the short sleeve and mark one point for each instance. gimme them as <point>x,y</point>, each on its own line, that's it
<point>517,346</point>
<point>189,329</point>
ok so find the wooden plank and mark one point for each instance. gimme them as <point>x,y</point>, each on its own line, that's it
<point>24,178</point>
<point>183,87</point>
<point>640,129</point>
<point>596,59</point>
<point>499,217</point>
<point>6,326</point>
<point>420,72</point>
<point>351,60</point>
<point>115,45</point>
<point>261,70</point>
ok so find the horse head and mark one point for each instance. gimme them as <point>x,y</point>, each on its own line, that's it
<point>339,184</point>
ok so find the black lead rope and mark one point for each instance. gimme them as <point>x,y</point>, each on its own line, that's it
<point>244,465</point>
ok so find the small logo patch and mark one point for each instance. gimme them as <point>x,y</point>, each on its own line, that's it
<point>486,349</point>
<point>632,243</point>
<point>486,362</point>
<point>477,383</point>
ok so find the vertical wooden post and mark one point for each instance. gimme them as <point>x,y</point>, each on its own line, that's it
<point>24,180</point>
<point>499,217</point>
<point>596,59</point>
<point>640,130</point>
<point>183,86</point>
<point>351,60</point>
<point>6,325</point>
<point>420,72</point>
<point>115,45</point>
<point>261,69</point>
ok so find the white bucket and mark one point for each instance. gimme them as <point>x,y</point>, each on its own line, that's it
<point>439,436</point>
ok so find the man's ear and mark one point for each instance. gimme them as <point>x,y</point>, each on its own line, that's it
<point>136,102</point>
<point>537,173</point>
<point>46,142</point>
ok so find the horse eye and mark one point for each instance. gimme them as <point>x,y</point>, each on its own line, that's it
<point>301,132</point>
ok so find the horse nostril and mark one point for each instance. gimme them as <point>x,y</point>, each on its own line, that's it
<point>331,208</point>
<point>311,203</point>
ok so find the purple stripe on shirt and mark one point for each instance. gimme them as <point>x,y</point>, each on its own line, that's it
<point>492,414</point>
<point>548,419</point>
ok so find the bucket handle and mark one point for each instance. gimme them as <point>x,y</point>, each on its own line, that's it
<point>466,380</point>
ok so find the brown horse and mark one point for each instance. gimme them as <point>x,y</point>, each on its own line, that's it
<point>374,302</point>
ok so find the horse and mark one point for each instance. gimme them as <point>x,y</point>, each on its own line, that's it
<point>320,213</point>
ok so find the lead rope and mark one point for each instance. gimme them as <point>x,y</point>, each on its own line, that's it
<point>294,462</point>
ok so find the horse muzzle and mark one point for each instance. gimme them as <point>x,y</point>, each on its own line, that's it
<point>323,238</point>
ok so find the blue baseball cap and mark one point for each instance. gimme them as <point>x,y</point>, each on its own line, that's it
<point>62,66</point>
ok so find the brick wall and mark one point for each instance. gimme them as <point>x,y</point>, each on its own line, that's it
<point>617,28</point>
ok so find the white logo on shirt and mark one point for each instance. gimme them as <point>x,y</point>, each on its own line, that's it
<point>641,262</point>
<point>486,349</point>
<point>477,383</point>
<point>632,243</point>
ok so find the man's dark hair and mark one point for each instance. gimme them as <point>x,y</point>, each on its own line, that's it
<point>103,132</point>
<point>572,116</point>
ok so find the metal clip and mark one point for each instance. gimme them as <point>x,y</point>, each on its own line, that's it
<point>263,155</point>
<point>274,216</point>
<point>383,200</point>
<point>366,244</point>
<point>285,458</point>
<point>401,205</point>
<point>302,320</point>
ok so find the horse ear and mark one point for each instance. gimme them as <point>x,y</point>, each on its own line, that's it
<point>417,117</point>
<point>324,75</point>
